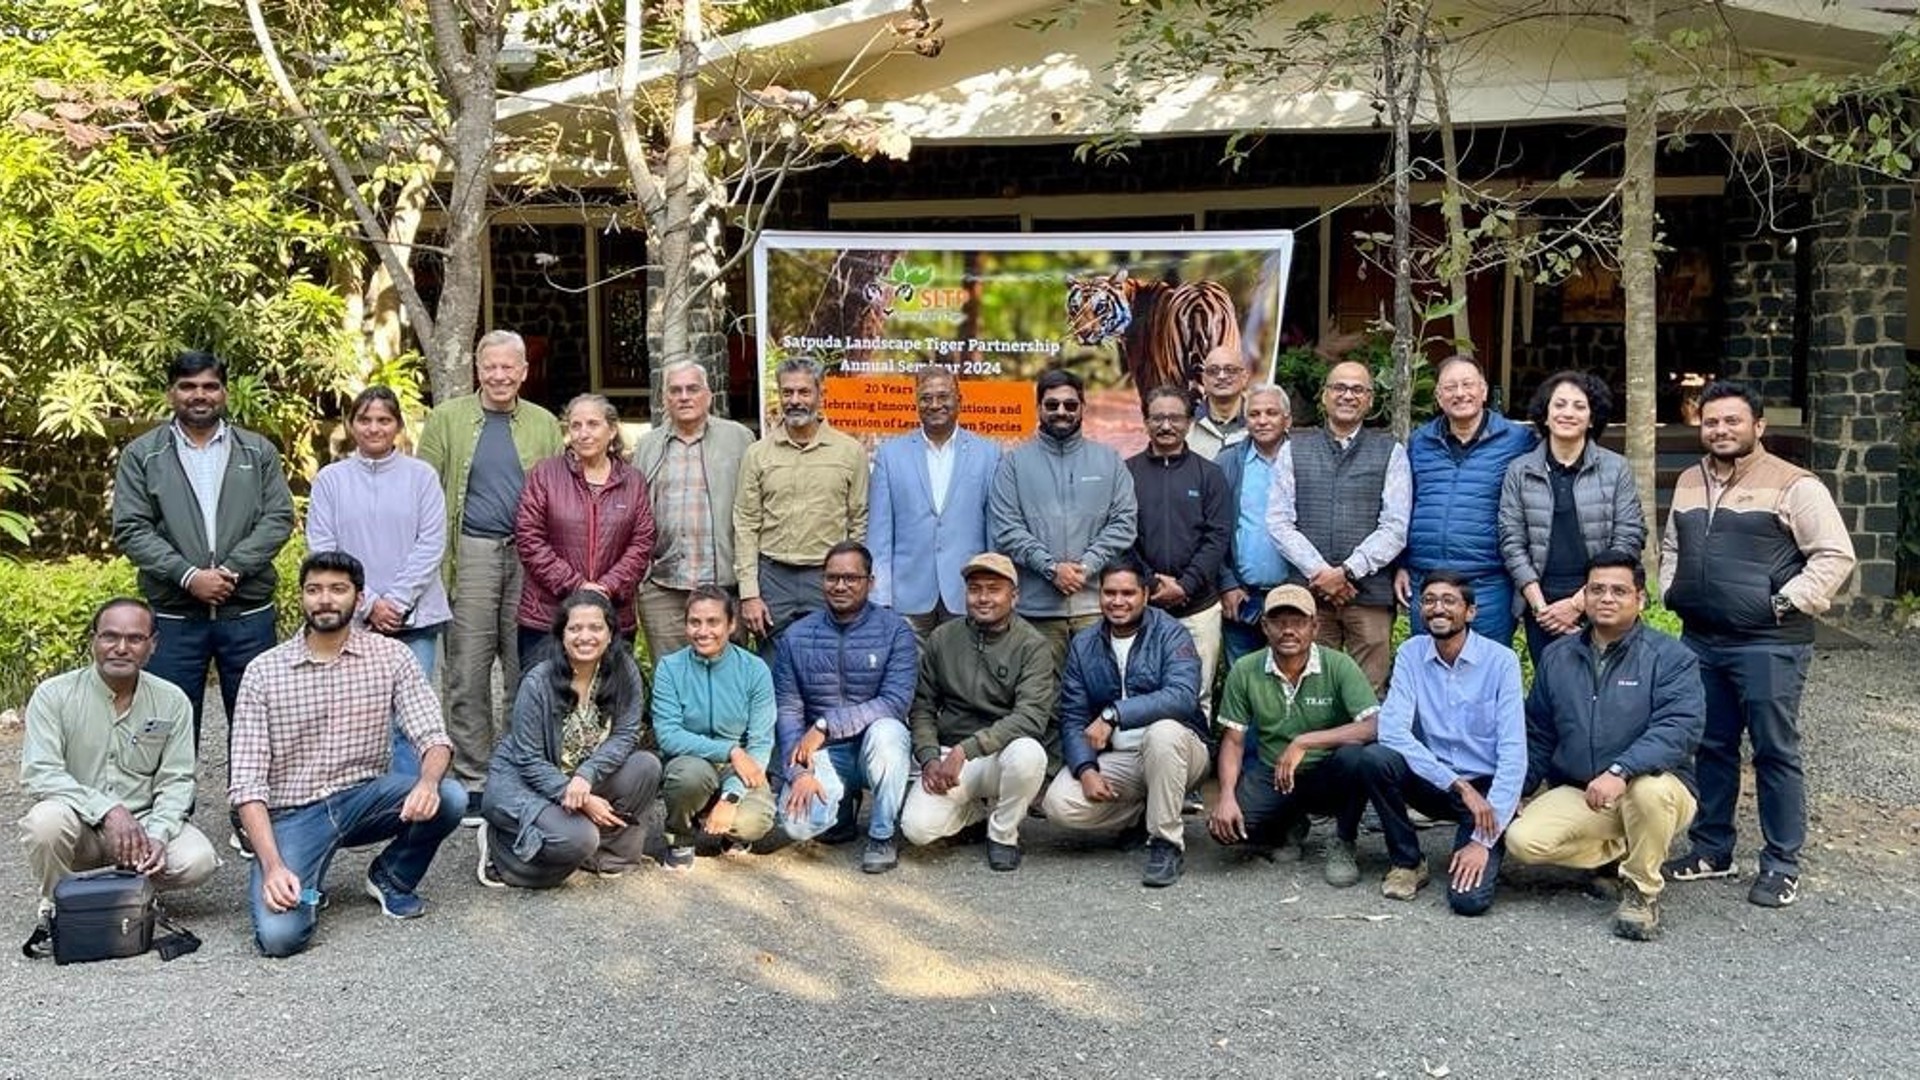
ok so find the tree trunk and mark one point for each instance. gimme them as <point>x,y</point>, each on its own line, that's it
<point>470,77</point>
<point>1401,52</point>
<point>1636,262</point>
<point>1459,248</point>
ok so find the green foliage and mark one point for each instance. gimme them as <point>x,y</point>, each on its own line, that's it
<point>138,217</point>
<point>44,608</point>
<point>14,525</point>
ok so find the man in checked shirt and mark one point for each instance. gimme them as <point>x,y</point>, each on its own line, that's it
<point>311,767</point>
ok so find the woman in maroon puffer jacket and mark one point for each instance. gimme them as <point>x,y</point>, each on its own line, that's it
<point>584,522</point>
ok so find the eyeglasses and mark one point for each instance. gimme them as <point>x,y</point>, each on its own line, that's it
<point>1167,421</point>
<point>936,399</point>
<point>1601,592</point>
<point>1221,371</point>
<point>1348,390</point>
<point>1445,600</point>
<point>845,579</point>
<point>113,640</point>
<point>1060,405</point>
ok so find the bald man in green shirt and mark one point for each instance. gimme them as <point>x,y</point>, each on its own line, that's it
<point>1291,717</point>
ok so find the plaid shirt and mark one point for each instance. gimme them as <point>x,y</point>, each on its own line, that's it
<point>684,553</point>
<point>305,729</point>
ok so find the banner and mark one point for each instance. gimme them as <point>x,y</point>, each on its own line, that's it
<point>1128,312</point>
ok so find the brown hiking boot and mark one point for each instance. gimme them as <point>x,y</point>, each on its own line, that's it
<point>1638,916</point>
<point>1404,881</point>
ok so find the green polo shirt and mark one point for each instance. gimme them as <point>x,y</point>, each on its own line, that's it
<point>1258,699</point>
<point>80,752</point>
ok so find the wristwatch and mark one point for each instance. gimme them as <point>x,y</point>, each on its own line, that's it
<point>1616,769</point>
<point>731,796</point>
<point>820,724</point>
<point>1111,715</point>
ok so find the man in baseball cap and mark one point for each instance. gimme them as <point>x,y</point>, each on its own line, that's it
<point>982,718</point>
<point>1293,717</point>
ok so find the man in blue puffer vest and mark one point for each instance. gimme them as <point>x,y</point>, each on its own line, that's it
<point>1459,461</point>
<point>842,685</point>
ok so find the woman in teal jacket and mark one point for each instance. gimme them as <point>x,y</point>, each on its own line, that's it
<point>713,714</point>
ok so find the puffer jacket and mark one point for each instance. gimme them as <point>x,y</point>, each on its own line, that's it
<point>1604,495</point>
<point>1456,503</point>
<point>848,674</point>
<point>1162,682</point>
<point>568,534</point>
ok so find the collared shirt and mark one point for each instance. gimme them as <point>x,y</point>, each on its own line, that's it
<point>1210,437</point>
<point>206,469</point>
<point>1332,691</point>
<point>685,551</point>
<point>797,501</point>
<point>1371,555</point>
<point>306,728</point>
<point>1471,717</point>
<point>1256,558</point>
<point>84,753</point>
<point>939,469</point>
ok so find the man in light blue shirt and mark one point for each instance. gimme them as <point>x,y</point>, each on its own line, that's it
<point>1452,743</point>
<point>1254,565</point>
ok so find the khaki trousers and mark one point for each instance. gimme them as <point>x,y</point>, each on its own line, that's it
<point>1364,633</point>
<point>1059,630</point>
<point>1558,829</point>
<point>486,590</point>
<point>58,843</point>
<point>663,617</point>
<point>1154,779</point>
<point>1204,626</point>
<point>1009,780</point>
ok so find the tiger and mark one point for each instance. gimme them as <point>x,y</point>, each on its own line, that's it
<point>1163,331</point>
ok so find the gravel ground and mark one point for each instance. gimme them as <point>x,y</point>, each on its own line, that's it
<point>795,964</point>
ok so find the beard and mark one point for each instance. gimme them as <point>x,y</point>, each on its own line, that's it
<point>796,417</point>
<point>326,622</point>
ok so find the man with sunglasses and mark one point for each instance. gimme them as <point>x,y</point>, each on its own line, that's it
<point>108,759</point>
<point>1061,508</point>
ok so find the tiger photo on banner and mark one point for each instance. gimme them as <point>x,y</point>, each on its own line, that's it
<point>1127,312</point>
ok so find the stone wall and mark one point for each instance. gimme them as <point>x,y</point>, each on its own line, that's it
<point>67,493</point>
<point>1765,328</point>
<point>544,304</point>
<point>1857,365</point>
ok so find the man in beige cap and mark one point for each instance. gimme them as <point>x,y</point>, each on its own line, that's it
<point>981,718</point>
<point>1293,717</point>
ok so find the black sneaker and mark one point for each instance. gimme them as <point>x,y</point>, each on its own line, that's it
<point>1774,889</point>
<point>472,819</point>
<point>1191,803</point>
<point>881,856</point>
<point>39,944</point>
<point>1003,857</point>
<point>237,840</point>
<point>1694,866</point>
<point>839,834</point>
<point>1165,862</point>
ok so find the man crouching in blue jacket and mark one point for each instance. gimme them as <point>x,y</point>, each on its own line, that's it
<point>1613,720</point>
<point>1131,729</point>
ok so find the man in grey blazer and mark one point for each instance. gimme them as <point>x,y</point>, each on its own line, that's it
<point>927,507</point>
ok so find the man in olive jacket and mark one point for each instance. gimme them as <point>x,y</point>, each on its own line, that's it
<point>201,507</point>
<point>981,717</point>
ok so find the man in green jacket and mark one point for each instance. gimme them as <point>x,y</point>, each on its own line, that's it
<point>981,718</point>
<point>482,444</point>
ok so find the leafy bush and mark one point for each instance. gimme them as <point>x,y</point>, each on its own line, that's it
<point>44,608</point>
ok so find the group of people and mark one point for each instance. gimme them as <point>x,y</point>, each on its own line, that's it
<point>959,635</point>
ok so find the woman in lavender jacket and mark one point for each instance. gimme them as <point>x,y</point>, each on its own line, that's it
<point>386,509</point>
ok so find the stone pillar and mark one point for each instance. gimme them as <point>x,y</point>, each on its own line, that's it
<point>1759,295</point>
<point>1858,366</point>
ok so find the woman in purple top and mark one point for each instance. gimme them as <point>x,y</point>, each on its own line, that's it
<point>386,509</point>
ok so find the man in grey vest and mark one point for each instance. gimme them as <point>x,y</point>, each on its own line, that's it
<point>1339,508</point>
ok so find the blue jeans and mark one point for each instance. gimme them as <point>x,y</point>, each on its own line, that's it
<point>424,643</point>
<point>1493,602</point>
<point>880,760</point>
<point>1752,690</point>
<point>307,837</point>
<point>185,646</point>
<point>1392,786</point>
